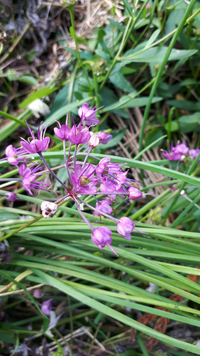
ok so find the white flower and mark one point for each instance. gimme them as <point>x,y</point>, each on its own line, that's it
<point>39,107</point>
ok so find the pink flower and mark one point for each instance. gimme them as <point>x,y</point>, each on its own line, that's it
<point>10,196</point>
<point>194,153</point>
<point>63,132</point>
<point>79,135</point>
<point>104,207</point>
<point>12,154</point>
<point>46,307</point>
<point>176,152</point>
<point>108,186</point>
<point>36,145</point>
<point>182,148</point>
<point>125,226</point>
<point>88,115</point>
<point>29,182</point>
<point>105,166</point>
<point>134,193</point>
<point>104,137</point>
<point>101,236</point>
<point>84,180</point>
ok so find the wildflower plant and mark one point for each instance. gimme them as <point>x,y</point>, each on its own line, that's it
<point>103,178</point>
<point>115,245</point>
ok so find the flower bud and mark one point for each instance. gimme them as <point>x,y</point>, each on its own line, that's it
<point>94,141</point>
<point>48,209</point>
<point>104,137</point>
<point>101,236</point>
<point>38,293</point>
<point>134,193</point>
<point>46,307</point>
<point>125,226</point>
<point>11,196</point>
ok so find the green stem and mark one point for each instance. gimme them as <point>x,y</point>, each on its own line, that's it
<point>125,38</point>
<point>158,77</point>
<point>71,11</point>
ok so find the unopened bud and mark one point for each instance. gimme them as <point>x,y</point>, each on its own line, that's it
<point>134,193</point>
<point>38,293</point>
<point>48,209</point>
<point>94,141</point>
<point>11,196</point>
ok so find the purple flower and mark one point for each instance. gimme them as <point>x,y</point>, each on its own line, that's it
<point>104,207</point>
<point>46,307</point>
<point>79,135</point>
<point>104,137</point>
<point>88,115</point>
<point>12,154</point>
<point>36,145</point>
<point>63,132</point>
<point>108,186</point>
<point>101,236</point>
<point>176,152</point>
<point>105,166</point>
<point>134,193</point>
<point>194,153</point>
<point>29,182</point>
<point>182,149</point>
<point>10,196</point>
<point>125,226</point>
<point>84,180</point>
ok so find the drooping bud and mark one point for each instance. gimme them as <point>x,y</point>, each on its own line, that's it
<point>46,307</point>
<point>48,209</point>
<point>101,236</point>
<point>134,193</point>
<point>10,196</point>
<point>125,226</point>
<point>104,137</point>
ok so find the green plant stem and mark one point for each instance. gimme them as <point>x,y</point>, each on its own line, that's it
<point>71,11</point>
<point>180,189</point>
<point>160,72</point>
<point>149,205</point>
<point>127,32</point>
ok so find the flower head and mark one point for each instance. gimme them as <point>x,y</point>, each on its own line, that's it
<point>48,209</point>
<point>103,207</point>
<point>38,293</point>
<point>104,137</point>
<point>36,145</point>
<point>105,166</point>
<point>88,115</point>
<point>84,180</point>
<point>101,236</point>
<point>181,148</point>
<point>134,193</point>
<point>46,307</point>
<point>29,176</point>
<point>194,152</point>
<point>125,226</point>
<point>10,196</point>
<point>79,135</point>
<point>63,132</point>
<point>13,154</point>
<point>176,152</point>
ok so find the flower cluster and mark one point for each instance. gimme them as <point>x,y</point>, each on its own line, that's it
<point>180,151</point>
<point>104,178</point>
